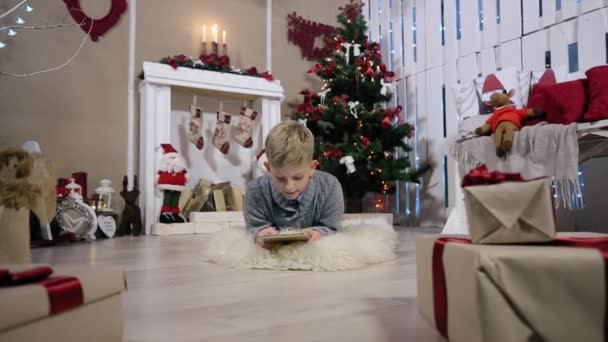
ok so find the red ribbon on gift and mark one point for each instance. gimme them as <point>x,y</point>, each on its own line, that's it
<point>440,295</point>
<point>481,176</point>
<point>64,292</point>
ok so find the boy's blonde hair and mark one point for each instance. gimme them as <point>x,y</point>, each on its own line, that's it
<point>289,144</point>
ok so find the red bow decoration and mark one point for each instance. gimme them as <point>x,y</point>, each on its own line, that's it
<point>352,10</point>
<point>411,132</point>
<point>315,69</point>
<point>210,60</point>
<point>389,115</point>
<point>330,153</point>
<point>330,68</point>
<point>252,71</point>
<point>266,75</point>
<point>364,141</point>
<point>308,96</point>
<point>481,176</point>
<point>340,99</point>
<point>304,108</point>
<point>224,61</point>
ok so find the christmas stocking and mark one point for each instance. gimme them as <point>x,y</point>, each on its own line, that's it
<point>195,126</point>
<point>243,129</point>
<point>220,136</point>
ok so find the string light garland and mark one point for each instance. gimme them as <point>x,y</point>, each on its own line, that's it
<point>68,61</point>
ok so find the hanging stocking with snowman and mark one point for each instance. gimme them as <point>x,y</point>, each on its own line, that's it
<point>172,178</point>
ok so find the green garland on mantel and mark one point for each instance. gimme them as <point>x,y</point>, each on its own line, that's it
<point>210,63</point>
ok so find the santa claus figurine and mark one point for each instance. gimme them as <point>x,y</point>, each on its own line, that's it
<point>172,178</point>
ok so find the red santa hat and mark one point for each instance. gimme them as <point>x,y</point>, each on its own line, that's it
<point>171,160</point>
<point>168,148</point>
<point>492,84</point>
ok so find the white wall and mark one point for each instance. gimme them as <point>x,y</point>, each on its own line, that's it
<point>505,42</point>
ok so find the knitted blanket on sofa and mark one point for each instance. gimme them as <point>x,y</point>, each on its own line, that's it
<point>542,150</point>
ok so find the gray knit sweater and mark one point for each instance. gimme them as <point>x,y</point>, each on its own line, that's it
<point>320,207</point>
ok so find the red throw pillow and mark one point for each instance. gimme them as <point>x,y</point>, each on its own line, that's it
<point>598,91</point>
<point>539,99</point>
<point>563,103</point>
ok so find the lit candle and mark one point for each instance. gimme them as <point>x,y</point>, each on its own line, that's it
<point>204,33</point>
<point>224,37</point>
<point>215,33</point>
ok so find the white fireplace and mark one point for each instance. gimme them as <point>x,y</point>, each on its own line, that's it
<point>161,123</point>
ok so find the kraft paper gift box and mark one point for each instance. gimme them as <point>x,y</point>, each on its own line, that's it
<point>513,292</point>
<point>211,222</point>
<point>509,211</point>
<point>66,306</point>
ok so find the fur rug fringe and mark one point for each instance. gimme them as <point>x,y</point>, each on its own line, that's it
<point>361,242</point>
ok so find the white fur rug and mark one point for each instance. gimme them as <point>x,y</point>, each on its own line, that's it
<point>361,242</point>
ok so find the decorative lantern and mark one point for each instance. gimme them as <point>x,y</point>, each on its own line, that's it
<point>105,191</point>
<point>73,189</point>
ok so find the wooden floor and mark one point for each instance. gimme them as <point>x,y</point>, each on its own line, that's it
<point>174,296</point>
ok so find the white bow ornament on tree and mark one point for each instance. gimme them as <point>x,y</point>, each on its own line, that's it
<point>350,164</point>
<point>387,87</point>
<point>303,122</point>
<point>356,50</point>
<point>353,108</point>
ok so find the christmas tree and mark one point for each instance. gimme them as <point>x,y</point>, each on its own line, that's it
<point>357,138</point>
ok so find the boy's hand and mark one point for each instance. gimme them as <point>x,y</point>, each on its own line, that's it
<point>312,234</point>
<point>269,231</point>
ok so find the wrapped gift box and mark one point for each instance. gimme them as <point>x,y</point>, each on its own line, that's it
<point>512,293</point>
<point>66,306</point>
<point>503,208</point>
<point>214,221</point>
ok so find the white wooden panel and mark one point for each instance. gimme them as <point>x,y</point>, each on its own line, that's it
<point>532,19</point>
<point>549,15</point>
<point>510,54</point>
<point>487,61</point>
<point>510,20</point>
<point>373,21</point>
<point>450,49</point>
<point>450,77</point>
<point>591,5</point>
<point>533,51</point>
<point>570,9</point>
<point>559,44</point>
<point>591,40</point>
<point>397,43</point>
<point>408,37</point>
<point>366,11</point>
<point>420,36</point>
<point>384,30</point>
<point>433,202</point>
<point>470,39</point>
<point>489,35</point>
<point>411,84</point>
<point>432,24</point>
<point>421,125</point>
<point>467,68</point>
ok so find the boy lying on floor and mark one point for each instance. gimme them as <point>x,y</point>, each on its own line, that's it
<point>294,194</point>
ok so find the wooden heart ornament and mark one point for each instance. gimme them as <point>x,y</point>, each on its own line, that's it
<point>96,27</point>
<point>107,225</point>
